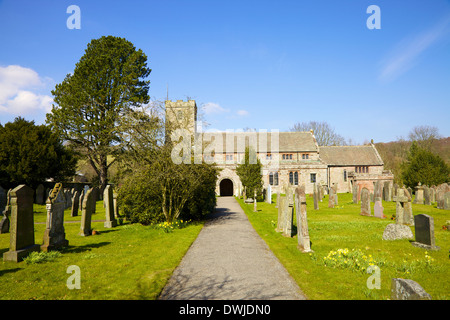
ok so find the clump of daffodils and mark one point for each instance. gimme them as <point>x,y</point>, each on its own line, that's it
<point>168,227</point>
<point>354,259</point>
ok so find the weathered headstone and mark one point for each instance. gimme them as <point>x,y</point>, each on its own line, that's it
<point>315,197</point>
<point>406,289</point>
<point>378,209</point>
<point>419,194</point>
<point>75,204</point>
<point>54,235</point>
<point>424,226</point>
<point>387,191</point>
<point>433,194</point>
<point>447,200</point>
<point>116,206</point>
<point>40,194</point>
<point>302,221</point>
<point>331,198</point>
<point>21,241</point>
<point>288,215</point>
<point>86,213</point>
<point>395,231</point>
<point>365,203</point>
<point>426,195</point>
<point>335,192</point>
<point>403,209</point>
<point>355,193</point>
<point>281,203</point>
<point>111,221</point>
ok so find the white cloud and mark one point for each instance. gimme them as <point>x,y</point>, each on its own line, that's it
<point>211,107</point>
<point>242,113</point>
<point>19,94</point>
<point>405,55</point>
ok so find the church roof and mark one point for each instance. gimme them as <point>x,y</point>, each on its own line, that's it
<point>350,155</point>
<point>287,141</point>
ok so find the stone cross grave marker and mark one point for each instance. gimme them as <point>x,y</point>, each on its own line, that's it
<point>403,208</point>
<point>21,241</point>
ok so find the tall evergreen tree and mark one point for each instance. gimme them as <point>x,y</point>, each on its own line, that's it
<point>249,172</point>
<point>108,81</point>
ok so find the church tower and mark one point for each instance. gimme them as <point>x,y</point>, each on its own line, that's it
<point>181,114</point>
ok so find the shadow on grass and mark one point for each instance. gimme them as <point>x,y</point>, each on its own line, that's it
<point>86,247</point>
<point>2,272</point>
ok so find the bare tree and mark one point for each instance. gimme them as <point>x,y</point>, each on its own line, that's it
<point>324,133</point>
<point>424,135</point>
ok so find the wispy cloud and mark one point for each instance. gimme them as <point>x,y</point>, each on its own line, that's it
<point>242,113</point>
<point>404,56</point>
<point>19,94</point>
<point>211,107</point>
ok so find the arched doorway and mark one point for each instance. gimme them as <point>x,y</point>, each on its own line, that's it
<point>226,187</point>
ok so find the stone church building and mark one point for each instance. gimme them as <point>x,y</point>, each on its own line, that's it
<point>292,158</point>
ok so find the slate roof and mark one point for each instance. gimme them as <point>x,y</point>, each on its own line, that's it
<point>350,155</point>
<point>287,141</point>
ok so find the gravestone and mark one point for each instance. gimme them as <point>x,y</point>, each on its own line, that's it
<point>5,223</point>
<point>424,226</point>
<point>3,199</point>
<point>378,209</point>
<point>406,289</point>
<point>394,190</point>
<point>269,194</point>
<point>116,206</point>
<point>331,198</point>
<point>395,231</point>
<point>433,194</point>
<point>54,235</point>
<point>80,204</point>
<point>403,208</point>
<point>321,192</point>
<point>21,241</point>
<point>281,201</point>
<point>355,193</point>
<point>419,194</point>
<point>315,197</point>
<point>335,189</point>
<point>254,202</point>
<point>111,221</point>
<point>278,199</point>
<point>288,215</point>
<point>447,201</point>
<point>387,191</point>
<point>40,194</point>
<point>302,221</point>
<point>365,203</point>
<point>75,204</point>
<point>378,190</point>
<point>426,196</point>
<point>86,213</point>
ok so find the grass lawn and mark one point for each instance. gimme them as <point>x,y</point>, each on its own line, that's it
<point>343,228</point>
<point>130,261</point>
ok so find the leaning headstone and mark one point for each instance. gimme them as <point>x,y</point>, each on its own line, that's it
<point>75,204</point>
<point>302,221</point>
<point>40,194</point>
<point>365,203</point>
<point>5,223</point>
<point>395,231</point>
<point>54,235</point>
<point>281,200</point>
<point>424,226</point>
<point>315,197</point>
<point>21,241</point>
<point>419,194</point>
<point>111,221</point>
<point>86,213</point>
<point>406,289</point>
<point>403,209</point>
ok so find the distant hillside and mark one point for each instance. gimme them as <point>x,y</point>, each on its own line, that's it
<point>394,153</point>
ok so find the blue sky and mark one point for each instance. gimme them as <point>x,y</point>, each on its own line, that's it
<point>257,64</point>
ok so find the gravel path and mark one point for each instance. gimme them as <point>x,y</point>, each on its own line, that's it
<point>229,261</point>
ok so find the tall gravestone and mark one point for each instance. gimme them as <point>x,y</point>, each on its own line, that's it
<point>21,241</point>
<point>331,198</point>
<point>288,215</point>
<point>54,235</point>
<point>40,194</point>
<point>355,193</point>
<point>75,204</point>
<point>269,194</point>
<point>365,202</point>
<point>424,227</point>
<point>315,197</point>
<point>281,200</point>
<point>116,206</point>
<point>302,221</point>
<point>110,221</point>
<point>86,213</point>
<point>403,208</point>
<point>387,191</point>
<point>419,194</point>
<point>447,200</point>
<point>426,195</point>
